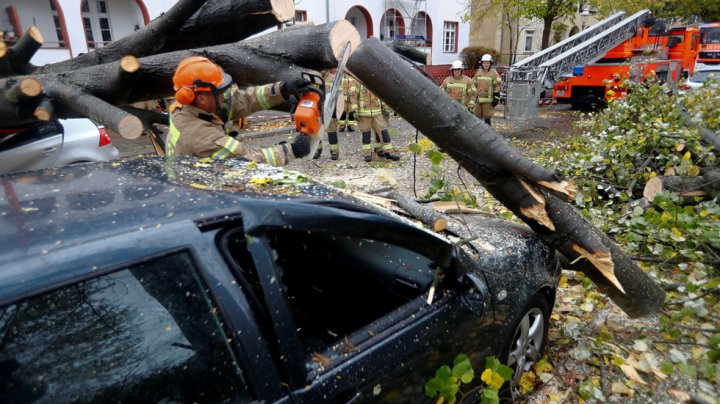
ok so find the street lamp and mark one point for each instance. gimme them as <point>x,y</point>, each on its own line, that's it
<point>584,14</point>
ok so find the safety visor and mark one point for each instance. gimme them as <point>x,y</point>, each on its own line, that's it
<point>226,83</point>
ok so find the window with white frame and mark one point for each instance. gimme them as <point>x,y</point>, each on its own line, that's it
<point>300,16</point>
<point>450,33</point>
<point>58,25</point>
<point>96,19</point>
<point>529,35</point>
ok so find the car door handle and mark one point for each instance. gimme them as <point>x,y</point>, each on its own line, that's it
<point>50,150</point>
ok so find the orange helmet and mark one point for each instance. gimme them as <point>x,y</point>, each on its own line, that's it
<point>198,73</point>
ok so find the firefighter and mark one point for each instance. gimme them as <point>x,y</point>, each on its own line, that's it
<point>487,81</point>
<point>206,100</point>
<point>459,86</point>
<point>370,116</point>
<point>348,119</point>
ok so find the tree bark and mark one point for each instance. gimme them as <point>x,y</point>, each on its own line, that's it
<point>270,58</point>
<point>685,186</point>
<point>410,52</point>
<point>530,191</point>
<point>423,213</point>
<point>224,21</point>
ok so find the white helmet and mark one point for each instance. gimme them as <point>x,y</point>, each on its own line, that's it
<point>486,58</point>
<point>456,65</point>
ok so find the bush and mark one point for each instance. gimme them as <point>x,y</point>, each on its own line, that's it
<point>472,54</point>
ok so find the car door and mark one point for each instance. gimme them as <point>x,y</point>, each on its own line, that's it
<point>32,148</point>
<point>130,318</point>
<point>348,296</point>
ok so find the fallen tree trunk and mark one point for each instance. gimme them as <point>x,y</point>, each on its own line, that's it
<point>410,52</point>
<point>425,214</point>
<point>16,59</point>
<point>687,187</point>
<point>188,24</point>
<point>223,21</point>
<point>266,59</point>
<point>525,188</point>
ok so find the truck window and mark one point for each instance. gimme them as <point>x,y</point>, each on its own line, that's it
<point>146,333</point>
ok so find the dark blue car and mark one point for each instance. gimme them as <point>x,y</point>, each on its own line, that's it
<point>183,281</point>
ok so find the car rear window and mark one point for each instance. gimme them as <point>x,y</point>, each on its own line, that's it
<point>33,134</point>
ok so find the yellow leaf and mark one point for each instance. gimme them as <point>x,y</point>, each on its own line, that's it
<point>486,376</point>
<point>703,213</point>
<point>619,388</point>
<point>686,156</point>
<point>527,382</point>
<point>563,282</point>
<point>676,232</point>
<point>252,164</point>
<point>543,366</point>
<point>260,180</point>
<point>200,186</point>
<point>665,216</point>
<point>632,374</point>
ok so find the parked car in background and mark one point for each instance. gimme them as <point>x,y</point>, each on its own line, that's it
<point>55,143</point>
<point>184,281</point>
<point>698,78</point>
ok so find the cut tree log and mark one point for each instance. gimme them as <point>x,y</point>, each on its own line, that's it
<point>224,21</point>
<point>16,59</point>
<point>707,185</point>
<point>188,24</point>
<point>530,191</point>
<point>423,213</point>
<point>270,58</point>
<point>410,52</point>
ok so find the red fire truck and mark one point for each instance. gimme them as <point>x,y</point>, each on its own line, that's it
<point>669,54</point>
<point>709,44</point>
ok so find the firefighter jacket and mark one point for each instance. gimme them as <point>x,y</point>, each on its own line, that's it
<point>487,83</point>
<point>194,132</point>
<point>365,102</point>
<point>460,89</point>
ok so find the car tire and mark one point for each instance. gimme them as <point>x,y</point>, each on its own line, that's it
<point>527,339</point>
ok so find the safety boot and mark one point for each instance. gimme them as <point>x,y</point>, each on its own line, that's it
<point>334,155</point>
<point>390,155</point>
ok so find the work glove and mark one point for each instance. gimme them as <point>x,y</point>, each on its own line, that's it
<point>294,87</point>
<point>300,145</point>
<point>496,99</point>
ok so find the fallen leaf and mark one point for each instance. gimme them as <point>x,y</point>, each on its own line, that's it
<point>678,394</point>
<point>632,374</point>
<point>620,388</point>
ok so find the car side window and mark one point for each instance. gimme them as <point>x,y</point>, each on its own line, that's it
<point>339,288</point>
<point>147,333</point>
<point>33,134</point>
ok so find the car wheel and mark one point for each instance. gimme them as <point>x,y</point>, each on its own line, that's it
<point>529,335</point>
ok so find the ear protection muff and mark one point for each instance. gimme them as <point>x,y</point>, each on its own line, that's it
<point>185,95</point>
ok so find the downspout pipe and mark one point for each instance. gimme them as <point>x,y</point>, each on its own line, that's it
<point>327,11</point>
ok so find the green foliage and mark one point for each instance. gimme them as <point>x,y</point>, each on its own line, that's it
<point>472,54</point>
<point>438,182</point>
<point>447,382</point>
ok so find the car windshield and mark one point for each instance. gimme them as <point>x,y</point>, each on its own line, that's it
<point>711,35</point>
<point>700,77</point>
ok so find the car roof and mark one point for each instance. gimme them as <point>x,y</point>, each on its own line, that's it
<point>45,209</point>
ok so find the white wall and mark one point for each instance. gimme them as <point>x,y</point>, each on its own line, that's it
<point>438,12</point>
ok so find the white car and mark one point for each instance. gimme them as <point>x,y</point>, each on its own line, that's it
<point>55,143</point>
<point>698,78</point>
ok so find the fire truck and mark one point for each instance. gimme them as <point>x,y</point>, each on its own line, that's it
<point>709,44</point>
<point>669,55</point>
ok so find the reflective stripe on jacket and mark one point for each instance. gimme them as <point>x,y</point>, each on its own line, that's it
<point>461,89</point>
<point>486,83</point>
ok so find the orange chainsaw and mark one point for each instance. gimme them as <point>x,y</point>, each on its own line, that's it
<point>316,108</point>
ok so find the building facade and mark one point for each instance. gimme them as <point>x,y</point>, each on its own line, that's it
<point>74,27</point>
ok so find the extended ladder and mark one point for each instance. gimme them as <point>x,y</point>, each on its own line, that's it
<point>528,78</point>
